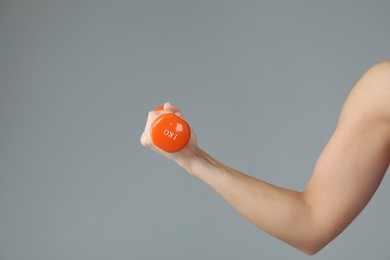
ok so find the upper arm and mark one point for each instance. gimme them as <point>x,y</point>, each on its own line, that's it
<point>354,161</point>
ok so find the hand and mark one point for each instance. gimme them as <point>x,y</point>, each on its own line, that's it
<point>147,142</point>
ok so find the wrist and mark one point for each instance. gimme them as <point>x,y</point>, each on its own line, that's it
<point>192,158</point>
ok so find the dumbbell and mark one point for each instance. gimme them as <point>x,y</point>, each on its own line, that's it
<point>169,132</point>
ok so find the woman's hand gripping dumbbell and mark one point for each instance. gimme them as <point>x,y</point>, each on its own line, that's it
<point>167,133</point>
<point>343,181</point>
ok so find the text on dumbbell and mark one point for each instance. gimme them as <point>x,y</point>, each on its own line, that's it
<point>170,134</point>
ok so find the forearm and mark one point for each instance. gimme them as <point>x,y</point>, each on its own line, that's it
<point>281,212</point>
<point>346,175</point>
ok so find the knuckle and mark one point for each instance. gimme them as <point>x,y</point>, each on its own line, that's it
<point>143,140</point>
<point>152,114</point>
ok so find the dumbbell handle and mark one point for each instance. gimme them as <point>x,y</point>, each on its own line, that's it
<point>169,132</point>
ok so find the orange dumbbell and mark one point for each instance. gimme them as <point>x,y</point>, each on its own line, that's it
<point>169,132</point>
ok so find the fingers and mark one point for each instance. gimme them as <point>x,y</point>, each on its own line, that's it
<point>172,108</point>
<point>152,115</point>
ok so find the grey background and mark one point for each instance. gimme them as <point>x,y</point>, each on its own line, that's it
<point>261,82</point>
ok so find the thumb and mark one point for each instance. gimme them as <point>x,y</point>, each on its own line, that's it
<point>172,108</point>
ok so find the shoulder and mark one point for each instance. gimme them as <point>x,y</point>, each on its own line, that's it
<point>367,107</point>
<point>376,80</point>
<point>381,69</point>
<point>370,97</point>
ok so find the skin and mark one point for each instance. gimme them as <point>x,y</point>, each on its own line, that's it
<point>345,177</point>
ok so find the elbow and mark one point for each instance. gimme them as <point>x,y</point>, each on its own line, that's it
<point>312,240</point>
<point>311,250</point>
<point>312,246</point>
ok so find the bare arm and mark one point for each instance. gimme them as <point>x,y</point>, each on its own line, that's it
<point>345,177</point>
